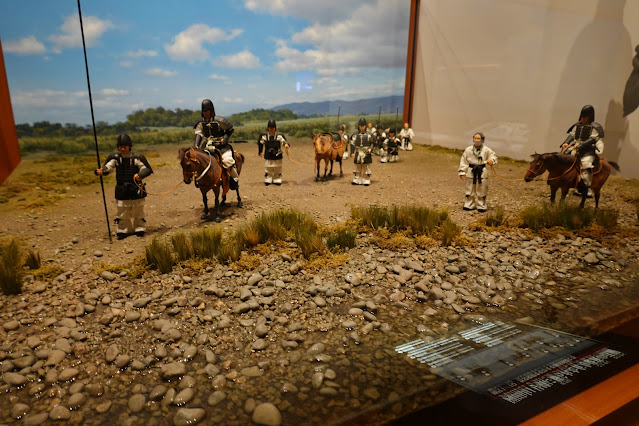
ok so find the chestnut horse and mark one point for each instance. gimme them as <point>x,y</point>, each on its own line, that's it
<point>328,149</point>
<point>206,168</point>
<point>564,172</point>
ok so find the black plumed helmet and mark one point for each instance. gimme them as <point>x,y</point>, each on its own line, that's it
<point>588,111</point>
<point>124,139</point>
<point>362,122</point>
<point>391,130</point>
<point>207,105</point>
<point>271,124</point>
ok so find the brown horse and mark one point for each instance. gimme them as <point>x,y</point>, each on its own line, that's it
<point>206,168</point>
<point>564,172</point>
<point>327,149</point>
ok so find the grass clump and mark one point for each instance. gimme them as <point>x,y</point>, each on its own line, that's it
<point>32,260</point>
<point>496,218</point>
<point>158,255</point>
<point>341,238</point>
<point>282,225</point>
<point>417,220</point>
<point>11,268</point>
<point>182,247</point>
<point>206,242</point>
<point>449,231</point>
<point>567,216</point>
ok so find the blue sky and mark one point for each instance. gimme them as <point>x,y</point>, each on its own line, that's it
<point>242,54</point>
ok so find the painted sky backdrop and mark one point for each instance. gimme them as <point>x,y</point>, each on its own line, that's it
<point>242,54</point>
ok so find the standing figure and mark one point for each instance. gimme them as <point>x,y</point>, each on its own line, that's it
<point>270,147</point>
<point>406,135</point>
<point>380,137</point>
<point>130,169</point>
<point>362,144</point>
<point>585,140</point>
<point>212,132</point>
<point>391,147</point>
<point>472,167</point>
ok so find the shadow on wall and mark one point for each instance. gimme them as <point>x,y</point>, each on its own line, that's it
<point>631,92</point>
<point>596,74</point>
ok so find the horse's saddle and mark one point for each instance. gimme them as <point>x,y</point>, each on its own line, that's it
<point>337,139</point>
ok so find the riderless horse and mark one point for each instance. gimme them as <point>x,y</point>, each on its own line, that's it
<point>328,147</point>
<point>206,169</point>
<point>564,172</point>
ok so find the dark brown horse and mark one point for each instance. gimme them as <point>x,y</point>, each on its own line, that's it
<point>564,172</point>
<point>327,149</point>
<point>207,171</point>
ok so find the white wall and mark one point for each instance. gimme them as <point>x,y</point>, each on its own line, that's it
<point>520,71</point>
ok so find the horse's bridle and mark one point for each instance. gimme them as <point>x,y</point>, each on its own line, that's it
<point>556,177</point>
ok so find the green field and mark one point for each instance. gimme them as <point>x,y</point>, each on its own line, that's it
<point>298,128</point>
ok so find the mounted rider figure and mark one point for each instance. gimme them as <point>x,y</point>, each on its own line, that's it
<point>212,133</point>
<point>585,140</point>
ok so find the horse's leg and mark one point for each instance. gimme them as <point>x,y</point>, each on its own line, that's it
<point>317,167</point>
<point>239,199</point>
<point>326,160</point>
<point>341,173</point>
<point>331,172</point>
<point>205,200</point>
<point>597,194</point>
<point>564,192</point>
<point>553,193</point>
<point>218,216</point>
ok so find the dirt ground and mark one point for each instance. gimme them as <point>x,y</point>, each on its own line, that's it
<point>71,230</point>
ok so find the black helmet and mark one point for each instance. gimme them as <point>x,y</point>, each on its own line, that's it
<point>342,127</point>
<point>271,124</point>
<point>391,130</point>
<point>124,139</point>
<point>588,111</point>
<point>207,105</point>
<point>362,122</point>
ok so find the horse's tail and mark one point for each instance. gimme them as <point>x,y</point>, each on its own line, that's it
<point>614,165</point>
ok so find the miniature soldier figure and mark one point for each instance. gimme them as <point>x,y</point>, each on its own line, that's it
<point>213,132</point>
<point>585,140</point>
<point>472,167</point>
<point>130,169</point>
<point>406,136</point>
<point>342,134</point>
<point>362,144</point>
<point>270,147</point>
<point>391,147</point>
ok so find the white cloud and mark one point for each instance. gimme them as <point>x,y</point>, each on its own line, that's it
<point>159,72</point>
<point>25,46</point>
<point>47,98</point>
<point>113,92</point>
<point>126,64</point>
<point>311,10</point>
<point>71,36</point>
<point>233,100</point>
<point>243,59</point>
<point>218,77</point>
<point>373,36</point>
<point>187,45</point>
<point>140,53</point>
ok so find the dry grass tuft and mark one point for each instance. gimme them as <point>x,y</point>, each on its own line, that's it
<point>158,255</point>
<point>11,268</point>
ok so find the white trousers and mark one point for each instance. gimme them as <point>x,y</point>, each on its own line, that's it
<point>362,174</point>
<point>130,216</point>
<point>273,171</point>
<point>586,169</point>
<point>476,194</point>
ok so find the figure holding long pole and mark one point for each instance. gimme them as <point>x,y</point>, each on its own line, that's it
<point>95,135</point>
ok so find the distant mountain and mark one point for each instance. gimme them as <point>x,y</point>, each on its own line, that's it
<point>371,106</point>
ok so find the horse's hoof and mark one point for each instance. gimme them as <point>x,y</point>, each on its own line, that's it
<point>223,203</point>
<point>239,205</point>
<point>218,219</point>
<point>316,179</point>
<point>341,174</point>
<point>204,216</point>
